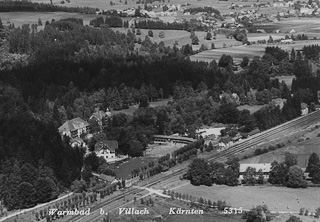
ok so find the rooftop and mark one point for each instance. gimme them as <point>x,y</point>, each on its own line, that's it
<point>74,124</point>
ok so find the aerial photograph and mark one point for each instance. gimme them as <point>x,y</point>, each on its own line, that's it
<point>159,110</point>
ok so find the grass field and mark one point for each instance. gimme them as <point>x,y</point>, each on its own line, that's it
<point>124,169</point>
<point>277,198</point>
<point>20,18</point>
<point>161,150</point>
<point>302,146</point>
<point>161,208</point>
<point>240,51</point>
<point>252,109</point>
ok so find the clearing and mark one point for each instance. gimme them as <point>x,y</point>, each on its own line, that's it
<point>252,109</point>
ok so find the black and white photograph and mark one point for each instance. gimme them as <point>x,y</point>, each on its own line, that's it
<point>159,110</point>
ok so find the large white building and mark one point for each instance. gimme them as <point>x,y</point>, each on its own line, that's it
<point>74,128</point>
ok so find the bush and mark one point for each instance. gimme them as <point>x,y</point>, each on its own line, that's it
<point>294,219</point>
<point>301,211</point>
<point>257,151</point>
<point>306,213</point>
<point>272,148</point>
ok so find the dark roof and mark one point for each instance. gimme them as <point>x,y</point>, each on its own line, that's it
<point>225,140</point>
<point>98,115</point>
<point>74,124</point>
<point>111,145</point>
<point>255,131</point>
<point>236,138</point>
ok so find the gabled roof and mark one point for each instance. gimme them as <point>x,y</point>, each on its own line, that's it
<point>98,115</point>
<point>225,140</point>
<point>304,106</point>
<point>111,145</point>
<point>255,131</point>
<point>74,124</point>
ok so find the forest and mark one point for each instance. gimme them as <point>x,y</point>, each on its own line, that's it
<point>68,69</point>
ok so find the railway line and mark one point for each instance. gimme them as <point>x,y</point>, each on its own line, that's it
<point>117,200</point>
<point>278,131</point>
<point>265,136</point>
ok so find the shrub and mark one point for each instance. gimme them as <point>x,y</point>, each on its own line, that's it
<point>257,151</point>
<point>306,213</point>
<point>318,135</point>
<point>301,211</point>
<point>272,148</point>
<point>294,219</point>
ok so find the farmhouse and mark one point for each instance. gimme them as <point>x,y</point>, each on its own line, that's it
<point>74,128</point>
<point>106,149</point>
<point>265,167</point>
<point>225,142</point>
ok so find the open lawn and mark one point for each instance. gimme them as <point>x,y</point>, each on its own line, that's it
<point>280,199</point>
<point>124,169</point>
<point>157,150</point>
<point>131,109</point>
<point>286,79</point>
<point>252,109</point>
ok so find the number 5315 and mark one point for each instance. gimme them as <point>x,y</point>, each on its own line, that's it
<point>230,210</point>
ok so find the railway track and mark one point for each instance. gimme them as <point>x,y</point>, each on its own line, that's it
<point>116,200</point>
<point>265,136</point>
<point>278,131</point>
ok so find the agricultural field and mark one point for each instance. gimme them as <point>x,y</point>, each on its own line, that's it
<point>279,199</point>
<point>20,18</point>
<point>183,37</point>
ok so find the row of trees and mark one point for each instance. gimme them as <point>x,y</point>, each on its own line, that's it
<point>287,173</point>
<point>200,172</point>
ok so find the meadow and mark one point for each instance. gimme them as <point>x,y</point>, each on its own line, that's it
<point>157,150</point>
<point>279,199</point>
<point>20,18</point>
<point>124,169</point>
